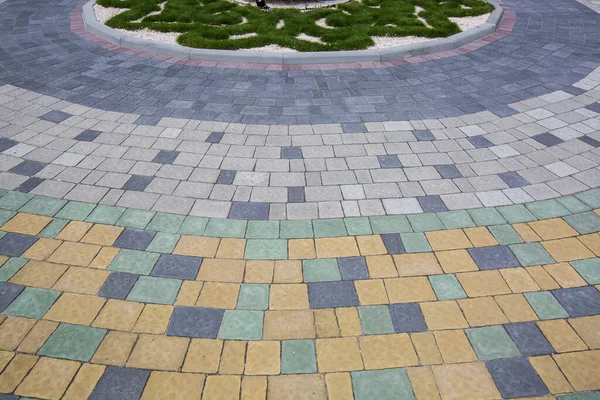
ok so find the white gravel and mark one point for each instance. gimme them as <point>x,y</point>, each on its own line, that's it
<point>272,48</point>
<point>301,5</point>
<point>166,37</point>
<point>323,24</point>
<point>280,24</point>
<point>308,38</point>
<point>103,14</point>
<point>161,6</point>
<point>385,42</point>
<point>243,36</point>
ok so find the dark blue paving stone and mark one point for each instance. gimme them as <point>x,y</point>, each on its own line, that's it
<point>529,339</point>
<point>8,292</point>
<point>423,135</point>
<point>448,171</point>
<point>29,184</point>
<point>513,179</point>
<point>393,243</point>
<point>291,152</point>
<point>165,157</point>
<point>15,244</point>
<point>354,127</point>
<point>494,257</point>
<point>9,397</point>
<point>197,322</point>
<point>55,116</point>
<point>180,267</point>
<point>575,91</point>
<point>432,203</point>
<point>516,378</point>
<point>407,318</point>
<point>134,239</point>
<point>215,137</point>
<point>479,142</point>
<point>138,183</point>
<point>579,302</point>
<point>296,194</point>
<point>150,120</point>
<point>547,139</point>
<point>118,285</point>
<point>588,140</point>
<point>28,168</point>
<point>120,384</point>
<point>595,107</point>
<point>226,177</point>
<point>332,294</point>
<point>249,211</point>
<point>6,144</point>
<point>391,161</point>
<point>353,268</point>
<point>88,135</point>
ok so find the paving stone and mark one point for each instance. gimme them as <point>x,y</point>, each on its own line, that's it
<point>253,297</point>
<point>516,378</point>
<point>179,267</point>
<point>513,179</point>
<point>8,293</point>
<point>385,384</point>
<point>298,357</point>
<point>375,320</point>
<point>393,243</point>
<point>242,325</point>
<point>28,168</point>
<point>529,339</point>
<point>31,303</point>
<point>588,269</point>
<point>120,384</point>
<point>88,135</point>
<point>332,294</point>
<point>226,177</point>
<point>547,139</point>
<point>389,161</point>
<point>134,239</point>
<point>492,342</point>
<point>197,322</point>
<point>249,211</point>
<point>291,152</point>
<point>494,257</point>
<point>73,342</point>
<point>118,285</point>
<point>407,317</point>
<point>432,203</point>
<point>133,261</point>
<point>579,302</point>
<point>15,244</point>
<point>353,268</point>
<point>320,270</point>
<point>55,116</point>
<point>447,287</point>
<point>138,183</point>
<point>165,157</point>
<point>545,305</point>
<point>448,171</point>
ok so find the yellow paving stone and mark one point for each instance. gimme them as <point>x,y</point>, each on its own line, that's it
<point>409,290</point>
<point>301,249</point>
<point>75,308</point>
<point>338,355</point>
<point>203,356</point>
<point>222,388</point>
<point>371,292</point>
<point>480,237</point>
<point>519,280</point>
<point>567,249</point>
<point>289,324</point>
<point>482,311</point>
<point>197,246</point>
<point>581,369</point>
<point>550,374</point>
<point>154,319</point>
<point>483,283</point>
<point>326,323</point>
<point>219,295</point>
<point>48,379</point>
<point>13,330</point>
<point>39,274</point>
<point>561,336</point>
<point>104,257</point>
<point>297,387</point>
<point>288,297</point>
<point>37,336</point>
<point>454,346</point>
<point>415,264</point>
<point>158,352</point>
<point>2,318</point>
<point>339,386</point>
<point>336,247</point>
<point>221,270</point>
<point>3,259</point>
<point>565,275</point>
<point>42,249</point>
<point>381,267</point>
<point>526,233</point>
<point>5,357</point>
<point>259,271</point>
<point>188,294</point>
<point>74,231</point>
<point>82,280</point>
<point>465,381</point>
<point>592,242</point>
<point>588,329</point>
<point>173,385</point>
<point>263,358</point>
<point>231,248</point>
<point>423,383</point>
<point>426,348</point>
<point>233,357</point>
<point>516,308</point>
<point>28,224</point>
<point>104,235</point>
<point>15,371</point>
<point>554,228</point>
<point>288,271</point>
<point>456,261</point>
<point>371,245</point>
<point>443,315</point>
<point>115,348</point>
<point>542,278</point>
<point>118,315</point>
<point>71,253</point>
<point>348,321</point>
<point>387,351</point>
<point>450,239</point>
<point>254,388</point>
<point>86,379</point>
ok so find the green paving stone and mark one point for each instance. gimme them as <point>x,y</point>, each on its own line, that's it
<point>241,325</point>
<point>588,269</point>
<point>375,320</point>
<point>193,226</point>
<point>573,204</point>
<point>589,197</point>
<point>150,289</point>
<point>492,342</point>
<point>54,228</point>
<point>11,267</point>
<point>505,234</point>
<point>253,297</point>
<point>2,233</point>
<point>73,342</point>
<point>547,209</point>
<point>43,206</point>
<point>357,226</point>
<point>263,230</point>
<point>580,396</point>
<point>516,214</point>
<point>14,200</point>
<point>390,224</point>
<point>230,228</point>
<point>170,223</point>
<point>76,211</point>
<point>132,218</point>
<point>163,242</point>
<point>108,215</point>
<point>486,216</point>
<point>387,384</point>
<point>531,254</point>
<point>296,229</point>
<point>456,219</point>
<point>425,222</point>
<point>32,303</point>
<point>415,242</point>
<point>446,287</point>
<point>298,357</point>
<point>266,249</point>
<point>134,261</point>
<point>5,216</point>
<point>587,222</point>
<point>329,228</point>
<point>321,270</point>
<point>545,305</point>
<point>3,192</point>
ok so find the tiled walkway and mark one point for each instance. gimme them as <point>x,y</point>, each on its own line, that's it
<point>423,230</point>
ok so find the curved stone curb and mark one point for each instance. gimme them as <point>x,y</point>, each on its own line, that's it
<point>396,53</point>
